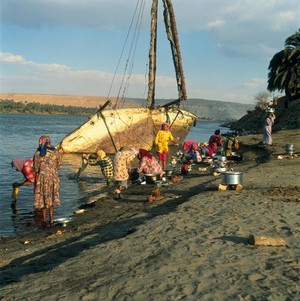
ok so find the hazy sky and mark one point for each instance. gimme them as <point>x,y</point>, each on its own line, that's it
<point>74,46</point>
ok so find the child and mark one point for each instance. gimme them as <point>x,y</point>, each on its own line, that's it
<point>106,166</point>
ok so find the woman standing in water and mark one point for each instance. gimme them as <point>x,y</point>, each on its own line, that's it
<point>46,163</point>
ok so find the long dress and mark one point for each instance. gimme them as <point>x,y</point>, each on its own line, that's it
<point>161,140</point>
<point>122,161</point>
<point>267,131</point>
<point>150,166</point>
<point>47,184</point>
<point>215,141</point>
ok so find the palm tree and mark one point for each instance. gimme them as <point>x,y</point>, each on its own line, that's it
<point>284,68</point>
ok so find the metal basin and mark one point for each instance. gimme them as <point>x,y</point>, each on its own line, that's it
<point>220,169</point>
<point>232,178</point>
<point>289,146</point>
<point>152,178</point>
<point>219,150</point>
<point>289,149</point>
<point>219,159</point>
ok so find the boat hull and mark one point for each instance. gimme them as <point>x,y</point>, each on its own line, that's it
<point>110,130</point>
<point>180,121</point>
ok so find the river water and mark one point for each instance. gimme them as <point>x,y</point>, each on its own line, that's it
<point>19,136</point>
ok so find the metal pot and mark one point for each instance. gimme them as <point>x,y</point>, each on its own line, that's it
<point>289,149</point>
<point>219,150</point>
<point>220,169</point>
<point>168,172</point>
<point>232,178</point>
<point>152,178</point>
<point>270,110</point>
<point>220,158</point>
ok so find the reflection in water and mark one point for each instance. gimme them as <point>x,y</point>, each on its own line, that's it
<point>24,222</point>
<point>74,192</point>
<point>18,139</point>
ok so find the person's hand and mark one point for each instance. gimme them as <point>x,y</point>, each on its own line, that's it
<point>15,184</point>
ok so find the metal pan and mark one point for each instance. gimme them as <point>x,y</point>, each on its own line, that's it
<point>232,178</point>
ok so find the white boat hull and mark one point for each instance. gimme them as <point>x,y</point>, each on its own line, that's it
<point>131,127</point>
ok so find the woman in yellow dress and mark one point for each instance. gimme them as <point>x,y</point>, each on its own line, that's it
<point>162,144</point>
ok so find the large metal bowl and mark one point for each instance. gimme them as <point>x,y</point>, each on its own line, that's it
<point>220,169</point>
<point>219,159</point>
<point>232,178</point>
<point>152,178</point>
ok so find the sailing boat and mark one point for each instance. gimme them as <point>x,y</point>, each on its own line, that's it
<point>111,129</point>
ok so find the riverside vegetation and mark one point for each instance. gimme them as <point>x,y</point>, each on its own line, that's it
<point>13,107</point>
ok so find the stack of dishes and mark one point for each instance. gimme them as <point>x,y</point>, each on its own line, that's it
<point>289,149</point>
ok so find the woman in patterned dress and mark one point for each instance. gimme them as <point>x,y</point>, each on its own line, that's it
<point>122,162</point>
<point>46,163</point>
<point>148,164</point>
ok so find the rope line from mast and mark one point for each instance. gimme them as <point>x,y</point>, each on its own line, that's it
<point>129,62</point>
<point>132,132</point>
<point>122,52</point>
<point>133,49</point>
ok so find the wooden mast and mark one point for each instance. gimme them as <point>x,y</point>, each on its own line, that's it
<point>172,34</point>
<point>152,56</point>
<point>171,29</point>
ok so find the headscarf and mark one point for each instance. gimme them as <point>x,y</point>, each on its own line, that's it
<point>44,144</point>
<point>165,124</point>
<point>144,153</point>
<point>101,154</point>
<point>136,152</point>
<point>43,139</point>
<point>18,164</point>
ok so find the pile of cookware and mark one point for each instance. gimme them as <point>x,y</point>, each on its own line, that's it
<point>219,164</point>
<point>289,149</point>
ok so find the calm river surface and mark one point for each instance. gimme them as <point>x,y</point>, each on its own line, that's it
<point>19,136</point>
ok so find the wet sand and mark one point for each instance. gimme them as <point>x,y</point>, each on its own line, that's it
<point>192,245</point>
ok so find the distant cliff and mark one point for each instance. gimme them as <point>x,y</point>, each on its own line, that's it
<point>286,118</point>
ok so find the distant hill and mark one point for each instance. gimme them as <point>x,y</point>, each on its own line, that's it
<point>219,110</point>
<point>203,108</point>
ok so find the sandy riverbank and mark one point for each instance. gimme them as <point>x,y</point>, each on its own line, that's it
<point>192,245</point>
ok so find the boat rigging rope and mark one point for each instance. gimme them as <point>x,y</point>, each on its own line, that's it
<point>132,132</point>
<point>136,23</point>
<point>133,49</point>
